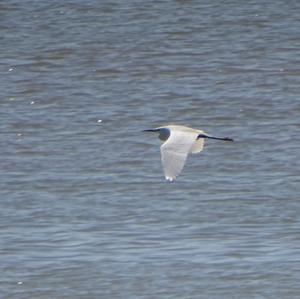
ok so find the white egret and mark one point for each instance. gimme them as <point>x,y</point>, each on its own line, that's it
<point>179,142</point>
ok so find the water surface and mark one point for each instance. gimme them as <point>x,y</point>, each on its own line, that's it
<point>85,211</point>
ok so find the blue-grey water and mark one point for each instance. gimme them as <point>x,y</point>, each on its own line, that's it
<point>85,211</point>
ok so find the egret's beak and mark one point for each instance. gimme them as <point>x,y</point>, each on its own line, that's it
<point>151,130</point>
<point>212,137</point>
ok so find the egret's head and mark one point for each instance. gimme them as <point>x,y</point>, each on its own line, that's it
<point>164,133</point>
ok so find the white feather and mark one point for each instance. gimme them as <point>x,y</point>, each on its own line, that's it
<point>175,150</point>
<point>197,146</point>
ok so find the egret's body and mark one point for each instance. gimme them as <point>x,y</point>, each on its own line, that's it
<point>179,142</point>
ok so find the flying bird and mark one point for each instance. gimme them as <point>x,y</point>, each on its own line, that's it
<point>179,142</point>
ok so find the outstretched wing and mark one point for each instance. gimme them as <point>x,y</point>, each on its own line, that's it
<point>175,151</point>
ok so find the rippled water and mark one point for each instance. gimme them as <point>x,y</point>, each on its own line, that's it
<point>85,211</point>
